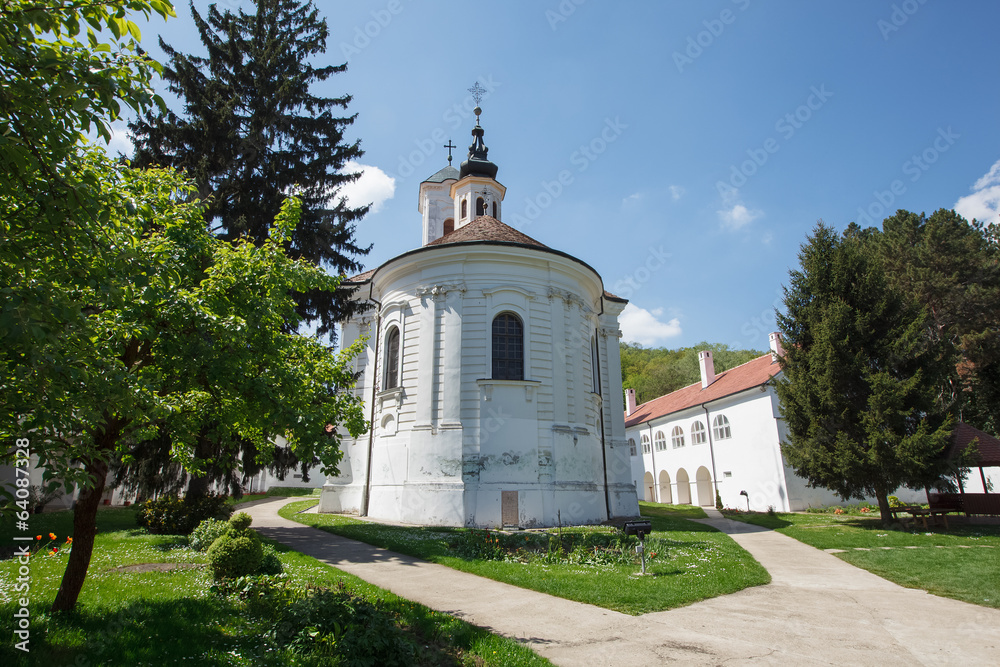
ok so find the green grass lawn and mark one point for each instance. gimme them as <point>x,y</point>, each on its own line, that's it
<point>171,617</point>
<point>961,563</point>
<point>694,562</point>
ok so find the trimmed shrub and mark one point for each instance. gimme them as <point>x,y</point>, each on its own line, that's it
<point>173,516</point>
<point>207,532</point>
<point>238,552</point>
<point>270,564</point>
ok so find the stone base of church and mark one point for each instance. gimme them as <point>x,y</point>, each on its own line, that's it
<point>482,505</point>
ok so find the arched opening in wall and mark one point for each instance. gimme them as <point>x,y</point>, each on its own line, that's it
<point>494,214</point>
<point>480,206</point>
<point>391,380</point>
<point>388,426</point>
<point>683,487</point>
<point>465,209</point>
<point>703,480</point>
<point>647,488</point>
<point>449,226</point>
<point>508,347</point>
<point>666,496</point>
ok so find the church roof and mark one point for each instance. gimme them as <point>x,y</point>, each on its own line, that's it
<point>746,376</point>
<point>361,277</point>
<point>449,173</point>
<point>486,228</point>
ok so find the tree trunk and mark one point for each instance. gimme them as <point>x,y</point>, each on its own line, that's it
<point>198,485</point>
<point>84,532</point>
<point>883,506</point>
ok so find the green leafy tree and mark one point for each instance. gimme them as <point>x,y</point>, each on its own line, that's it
<point>952,268</point>
<point>653,372</point>
<point>859,385</point>
<point>251,133</point>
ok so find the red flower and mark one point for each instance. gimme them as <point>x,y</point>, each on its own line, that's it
<point>52,536</point>
<point>38,537</point>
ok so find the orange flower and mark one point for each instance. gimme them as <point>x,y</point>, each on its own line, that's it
<point>69,540</point>
<point>38,537</point>
<point>52,536</point>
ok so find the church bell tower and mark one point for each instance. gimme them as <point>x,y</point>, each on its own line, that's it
<point>477,192</point>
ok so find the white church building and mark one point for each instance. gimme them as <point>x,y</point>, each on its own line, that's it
<point>491,374</point>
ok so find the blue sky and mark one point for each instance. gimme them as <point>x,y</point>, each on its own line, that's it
<point>697,143</point>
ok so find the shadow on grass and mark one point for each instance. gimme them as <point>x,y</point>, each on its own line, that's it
<point>140,632</point>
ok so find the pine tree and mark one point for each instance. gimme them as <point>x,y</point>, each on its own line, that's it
<point>251,133</point>
<point>859,386</point>
<point>952,267</point>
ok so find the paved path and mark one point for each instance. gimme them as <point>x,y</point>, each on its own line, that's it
<point>818,610</point>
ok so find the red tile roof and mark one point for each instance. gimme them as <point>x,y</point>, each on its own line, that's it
<point>361,277</point>
<point>486,228</point>
<point>746,376</point>
<point>987,450</point>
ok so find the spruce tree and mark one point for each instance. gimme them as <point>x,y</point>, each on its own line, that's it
<point>251,133</point>
<point>859,385</point>
<point>952,267</point>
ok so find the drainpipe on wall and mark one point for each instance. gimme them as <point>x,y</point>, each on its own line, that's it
<point>711,452</point>
<point>363,510</point>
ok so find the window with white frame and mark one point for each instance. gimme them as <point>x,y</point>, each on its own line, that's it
<point>631,447</point>
<point>391,359</point>
<point>677,437</point>
<point>698,433</point>
<point>660,441</point>
<point>720,428</point>
<point>645,444</point>
<point>508,347</point>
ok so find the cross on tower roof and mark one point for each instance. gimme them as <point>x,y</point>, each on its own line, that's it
<point>477,93</point>
<point>449,146</point>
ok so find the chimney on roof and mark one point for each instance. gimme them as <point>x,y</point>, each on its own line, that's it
<point>776,348</point>
<point>707,365</point>
<point>629,401</point>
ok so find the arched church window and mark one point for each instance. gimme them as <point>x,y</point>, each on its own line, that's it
<point>495,210</point>
<point>508,347</point>
<point>645,444</point>
<point>449,225</point>
<point>595,364</point>
<point>392,359</point>
<point>631,447</point>
<point>720,428</point>
<point>677,437</point>
<point>480,206</point>
<point>465,209</point>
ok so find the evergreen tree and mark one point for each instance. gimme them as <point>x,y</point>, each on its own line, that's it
<point>251,133</point>
<point>859,387</point>
<point>952,268</point>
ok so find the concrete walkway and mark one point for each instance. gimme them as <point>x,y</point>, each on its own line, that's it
<point>818,610</point>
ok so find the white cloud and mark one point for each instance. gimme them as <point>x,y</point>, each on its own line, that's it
<point>643,326</point>
<point>374,187</point>
<point>984,202</point>
<point>676,192</point>
<point>738,216</point>
<point>632,199</point>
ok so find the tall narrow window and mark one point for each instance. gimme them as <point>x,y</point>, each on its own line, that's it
<point>720,428</point>
<point>449,226</point>
<point>480,207</point>
<point>631,447</point>
<point>508,347</point>
<point>465,209</point>
<point>645,444</point>
<point>677,437</point>
<point>494,209</point>
<point>392,359</point>
<point>595,364</point>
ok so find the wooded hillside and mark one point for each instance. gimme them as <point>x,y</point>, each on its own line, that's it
<point>653,372</point>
